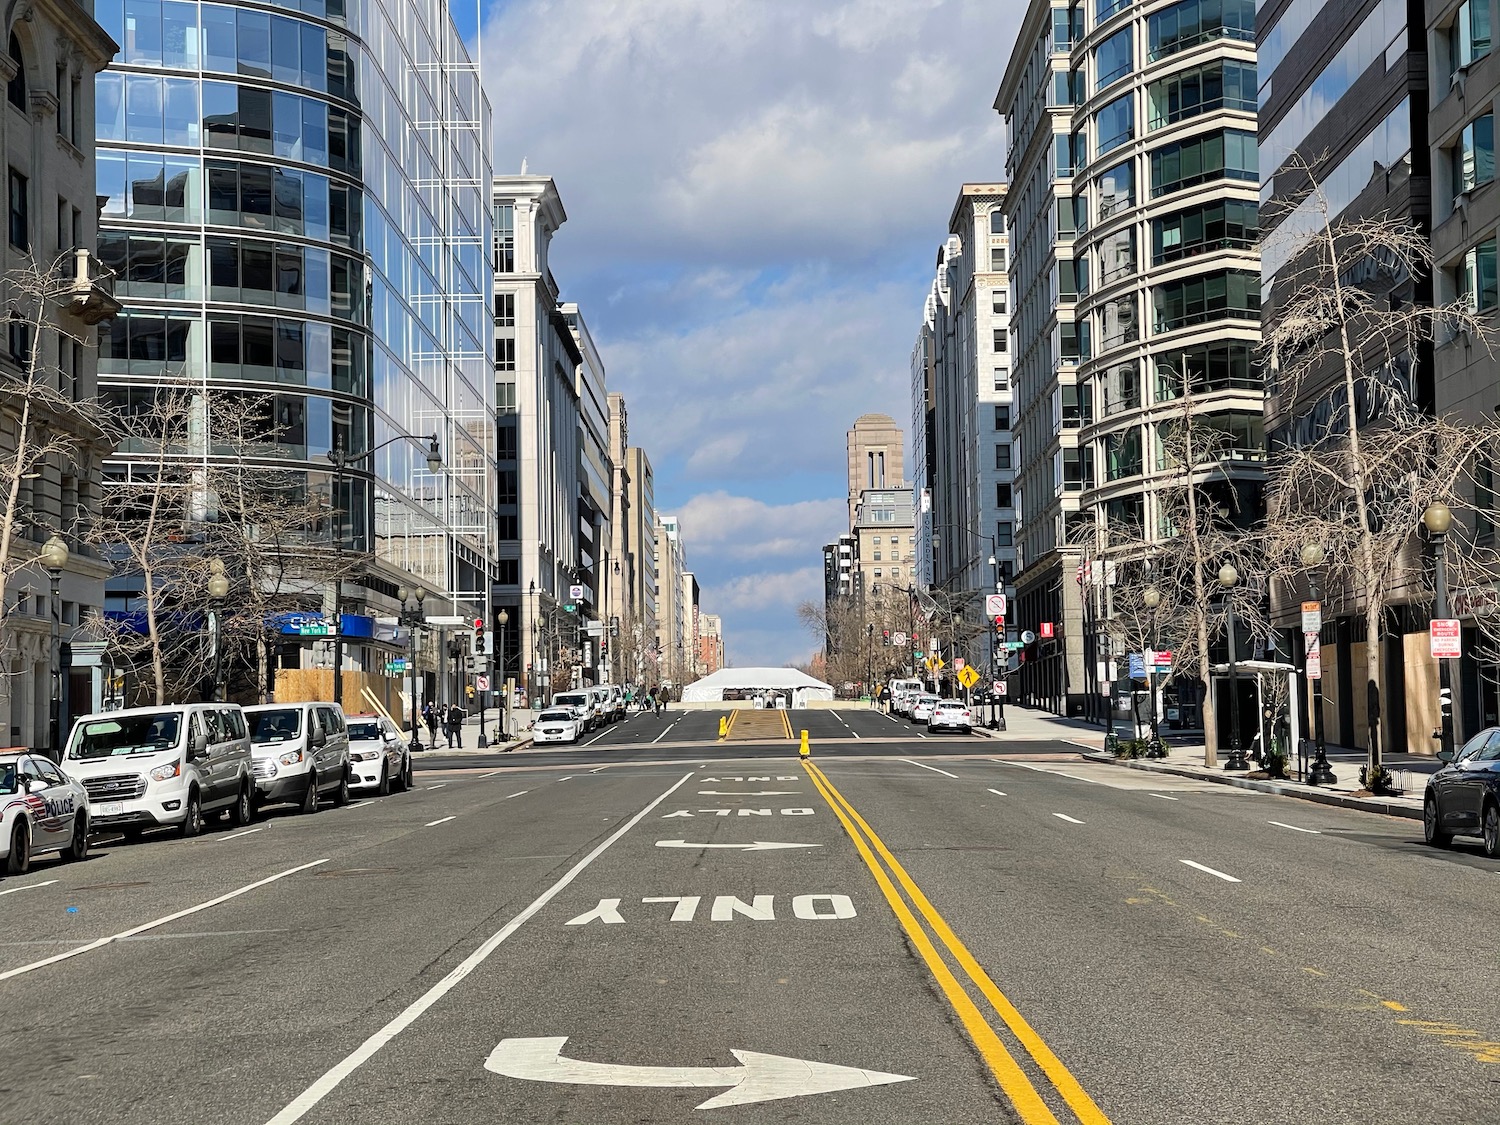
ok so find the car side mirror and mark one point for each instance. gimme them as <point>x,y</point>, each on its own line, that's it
<point>1445,756</point>
<point>199,746</point>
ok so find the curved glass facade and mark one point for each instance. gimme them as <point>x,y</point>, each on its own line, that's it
<point>294,199</point>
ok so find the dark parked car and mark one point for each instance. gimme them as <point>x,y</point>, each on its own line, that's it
<point>1463,797</point>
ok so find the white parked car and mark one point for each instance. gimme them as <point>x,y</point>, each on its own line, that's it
<point>379,756</point>
<point>42,809</point>
<point>301,753</point>
<point>950,714</point>
<point>921,709</point>
<point>557,724</point>
<point>149,767</point>
<point>580,704</point>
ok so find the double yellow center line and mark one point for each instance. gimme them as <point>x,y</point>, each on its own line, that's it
<point>1015,1083</point>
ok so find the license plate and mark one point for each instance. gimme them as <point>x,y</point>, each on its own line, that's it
<point>110,808</point>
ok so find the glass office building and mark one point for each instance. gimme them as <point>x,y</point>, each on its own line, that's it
<point>295,201</point>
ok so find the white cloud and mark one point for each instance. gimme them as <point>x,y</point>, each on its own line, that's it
<point>729,527</point>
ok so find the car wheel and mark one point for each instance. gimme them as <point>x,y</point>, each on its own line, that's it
<point>310,797</point>
<point>79,848</point>
<point>192,823</point>
<point>243,810</point>
<point>341,794</point>
<point>19,860</point>
<point>1490,819</point>
<point>384,789</point>
<point>1432,823</point>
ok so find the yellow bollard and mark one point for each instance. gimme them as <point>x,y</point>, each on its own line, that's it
<point>723,728</point>
<point>804,751</point>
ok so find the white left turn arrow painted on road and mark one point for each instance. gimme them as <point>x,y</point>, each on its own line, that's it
<point>757,846</point>
<point>758,1078</point>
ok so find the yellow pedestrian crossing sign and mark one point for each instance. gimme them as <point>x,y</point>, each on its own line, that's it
<point>935,664</point>
<point>968,677</point>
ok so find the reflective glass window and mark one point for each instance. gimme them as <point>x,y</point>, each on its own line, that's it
<point>221,114</point>
<point>315,195</point>
<point>1103,9</point>
<point>1196,300</point>
<point>1477,277</point>
<point>1192,22</point>
<point>219,52</point>
<point>1116,188</point>
<point>109,178</point>
<point>142,45</point>
<point>253,42</point>
<point>1225,84</point>
<point>1220,225</point>
<point>143,109</point>
<point>1115,123</point>
<point>1473,158</point>
<point>1469,36</point>
<point>255,119</point>
<point>314,64</point>
<point>109,107</point>
<point>1113,59</point>
<point>288,202</point>
<point>1117,255</point>
<point>179,22</point>
<point>286,50</point>
<point>180,114</point>
<point>1225,154</point>
<point>315,133</point>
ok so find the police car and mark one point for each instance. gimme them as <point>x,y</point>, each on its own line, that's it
<point>42,809</point>
<point>378,755</point>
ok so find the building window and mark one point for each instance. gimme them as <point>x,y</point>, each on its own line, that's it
<point>1113,59</point>
<point>997,259</point>
<point>1117,254</point>
<point>877,559</point>
<point>20,213</point>
<point>997,221</point>
<point>1074,346</point>
<point>1002,339</point>
<point>1002,455</point>
<point>1103,9</point>
<point>1078,468</point>
<point>505,310</point>
<point>1476,277</point>
<point>1116,189</point>
<point>1002,417</point>
<point>1227,224</point>
<point>1185,25</point>
<point>998,302</point>
<point>505,238</point>
<point>1468,38</point>
<point>15,89</point>
<point>1226,154</point>
<point>1484,503</point>
<point>505,354</point>
<point>1002,378</point>
<point>1116,123</point>
<point>1003,496</point>
<point>1203,89</point>
<point>18,340</point>
<point>1226,294</point>
<point>1474,155</point>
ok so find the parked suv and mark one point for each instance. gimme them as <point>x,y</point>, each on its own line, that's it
<point>1463,797</point>
<point>148,767</point>
<point>301,753</point>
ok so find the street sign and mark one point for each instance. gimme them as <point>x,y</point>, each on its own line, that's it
<point>994,605</point>
<point>958,663</point>
<point>1312,617</point>
<point>482,683</point>
<point>1313,646</point>
<point>1027,637</point>
<point>571,608</point>
<point>1046,630</point>
<point>1445,638</point>
<point>1011,646</point>
<point>968,677</point>
<point>1001,688</point>
<point>575,593</point>
<point>899,640</point>
<point>447,620</point>
<point>314,629</point>
<point>1161,661</point>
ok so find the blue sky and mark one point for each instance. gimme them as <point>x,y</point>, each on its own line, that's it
<point>756,190</point>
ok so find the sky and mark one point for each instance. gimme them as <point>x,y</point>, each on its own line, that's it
<point>756,191</point>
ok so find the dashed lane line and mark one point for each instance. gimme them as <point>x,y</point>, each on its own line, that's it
<point>934,769</point>
<point>1210,871</point>
<point>522,793</point>
<point>27,887</point>
<point>1065,816</point>
<point>444,820</point>
<point>1164,797</point>
<point>430,788</point>
<point>240,835</point>
<point>1052,773</point>
<point>1294,828</point>
<point>996,792</point>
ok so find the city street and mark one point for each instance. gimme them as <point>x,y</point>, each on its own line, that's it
<point>662,927</point>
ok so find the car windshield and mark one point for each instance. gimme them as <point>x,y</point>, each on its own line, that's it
<point>7,778</point>
<point>363,732</point>
<point>274,726</point>
<point>557,716</point>
<point>120,735</point>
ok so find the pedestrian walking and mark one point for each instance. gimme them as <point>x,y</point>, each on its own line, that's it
<point>660,704</point>
<point>455,726</point>
<point>430,717</point>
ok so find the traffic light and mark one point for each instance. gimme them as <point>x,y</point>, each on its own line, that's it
<point>885,636</point>
<point>477,646</point>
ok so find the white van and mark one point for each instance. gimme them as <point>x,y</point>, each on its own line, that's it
<point>581,704</point>
<point>617,700</point>
<point>604,711</point>
<point>301,753</point>
<point>148,767</point>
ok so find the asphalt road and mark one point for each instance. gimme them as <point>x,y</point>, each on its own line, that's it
<point>957,930</point>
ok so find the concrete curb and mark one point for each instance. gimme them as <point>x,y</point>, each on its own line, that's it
<point>1279,788</point>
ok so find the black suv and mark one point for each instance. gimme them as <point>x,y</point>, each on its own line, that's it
<point>1463,797</point>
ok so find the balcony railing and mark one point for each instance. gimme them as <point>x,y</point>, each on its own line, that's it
<point>88,288</point>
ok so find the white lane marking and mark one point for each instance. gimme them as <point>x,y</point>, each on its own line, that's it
<point>1164,797</point>
<point>597,770</point>
<point>366,1050</point>
<point>239,835</point>
<point>430,788</point>
<point>357,805</point>
<point>435,823</point>
<point>144,926</point>
<point>570,777</point>
<point>1065,816</point>
<point>748,793</point>
<point>492,773</point>
<point>934,769</point>
<point>596,738</point>
<point>996,792</point>
<point>1053,773</point>
<point>757,846</point>
<point>1294,828</point>
<point>27,887</point>
<point>522,793</point>
<point>663,734</point>
<point>1210,870</point>
<point>921,735</point>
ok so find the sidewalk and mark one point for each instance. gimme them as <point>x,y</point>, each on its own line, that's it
<point>470,737</point>
<point>1186,760</point>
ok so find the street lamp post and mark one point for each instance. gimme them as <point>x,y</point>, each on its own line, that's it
<point>54,557</point>
<point>1152,600</point>
<point>341,462</point>
<point>218,586</point>
<point>504,620</point>
<point>1228,579</point>
<point>414,618</point>
<point>1438,518</point>
<point>1319,773</point>
<point>869,658</point>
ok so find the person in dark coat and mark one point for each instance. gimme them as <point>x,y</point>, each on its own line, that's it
<point>453,726</point>
<point>430,717</point>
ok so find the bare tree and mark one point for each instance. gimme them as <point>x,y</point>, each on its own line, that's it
<point>1367,460</point>
<point>856,636</point>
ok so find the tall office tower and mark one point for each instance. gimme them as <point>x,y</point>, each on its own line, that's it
<point>295,200</point>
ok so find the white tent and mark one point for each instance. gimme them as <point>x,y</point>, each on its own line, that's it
<point>799,685</point>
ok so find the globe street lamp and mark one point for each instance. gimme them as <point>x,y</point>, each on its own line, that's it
<point>1228,579</point>
<point>1152,601</point>
<point>54,557</point>
<point>1438,518</point>
<point>1320,773</point>
<point>415,619</point>
<point>217,586</point>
